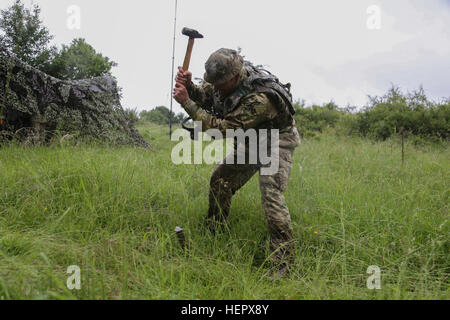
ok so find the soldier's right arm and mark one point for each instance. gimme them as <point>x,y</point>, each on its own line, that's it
<point>202,95</point>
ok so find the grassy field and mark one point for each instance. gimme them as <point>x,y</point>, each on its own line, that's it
<point>113,211</point>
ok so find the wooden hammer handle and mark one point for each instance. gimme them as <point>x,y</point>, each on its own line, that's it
<point>187,59</point>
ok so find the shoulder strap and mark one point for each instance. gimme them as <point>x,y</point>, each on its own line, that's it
<point>259,80</point>
<point>266,82</point>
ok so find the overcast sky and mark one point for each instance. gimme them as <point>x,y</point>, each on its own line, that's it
<point>325,48</point>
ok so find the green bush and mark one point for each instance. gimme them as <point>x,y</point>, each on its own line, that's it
<point>414,113</point>
<point>384,116</point>
<point>317,119</point>
<point>162,115</point>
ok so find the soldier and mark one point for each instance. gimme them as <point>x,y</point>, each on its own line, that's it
<point>238,95</point>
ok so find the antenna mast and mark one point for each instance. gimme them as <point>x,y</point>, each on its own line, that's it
<point>173,67</point>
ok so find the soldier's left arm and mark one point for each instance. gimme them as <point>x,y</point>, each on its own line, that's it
<point>253,110</point>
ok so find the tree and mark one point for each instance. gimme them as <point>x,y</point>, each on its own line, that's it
<point>161,114</point>
<point>25,36</point>
<point>154,116</point>
<point>79,60</point>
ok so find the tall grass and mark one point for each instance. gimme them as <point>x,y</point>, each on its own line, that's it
<point>112,212</point>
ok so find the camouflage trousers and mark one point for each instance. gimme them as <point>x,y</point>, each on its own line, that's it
<point>227,179</point>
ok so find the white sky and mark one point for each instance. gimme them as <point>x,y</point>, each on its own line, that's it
<point>323,47</point>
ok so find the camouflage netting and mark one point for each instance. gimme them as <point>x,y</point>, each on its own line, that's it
<point>36,103</point>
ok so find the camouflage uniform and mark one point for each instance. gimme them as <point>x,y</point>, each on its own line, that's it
<point>254,110</point>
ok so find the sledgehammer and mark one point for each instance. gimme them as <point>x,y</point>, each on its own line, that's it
<point>192,34</point>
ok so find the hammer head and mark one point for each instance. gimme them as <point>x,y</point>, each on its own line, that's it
<point>191,33</point>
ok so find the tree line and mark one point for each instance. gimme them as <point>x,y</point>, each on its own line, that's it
<point>384,116</point>
<point>159,115</point>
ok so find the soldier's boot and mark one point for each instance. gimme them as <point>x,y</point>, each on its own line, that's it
<point>219,209</point>
<point>226,180</point>
<point>278,272</point>
<point>281,260</point>
<point>220,195</point>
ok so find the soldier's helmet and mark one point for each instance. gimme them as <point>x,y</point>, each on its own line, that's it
<point>222,66</point>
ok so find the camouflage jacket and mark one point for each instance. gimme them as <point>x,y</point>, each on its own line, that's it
<point>255,109</point>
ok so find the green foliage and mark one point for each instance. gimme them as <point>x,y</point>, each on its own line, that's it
<point>161,115</point>
<point>79,60</point>
<point>25,36</point>
<point>414,112</point>
<point>318,119</point>
<point>385,116</point>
